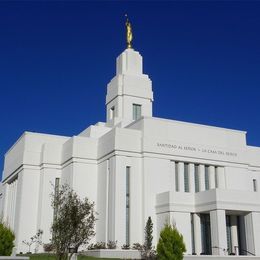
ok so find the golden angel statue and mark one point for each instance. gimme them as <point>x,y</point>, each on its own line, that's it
<point>129,33</point>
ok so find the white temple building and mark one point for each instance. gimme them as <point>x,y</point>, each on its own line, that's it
<point>204,179</point>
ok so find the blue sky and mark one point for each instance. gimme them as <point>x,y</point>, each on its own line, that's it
<point>56,58</point>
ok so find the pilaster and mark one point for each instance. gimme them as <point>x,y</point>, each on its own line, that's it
<point>172,166</point>
<point>221,177</point>
<point>212,177</point>
<point>218,232</point>
<point>191,177</point>
<point>202,177</point>
<point>181,176</point>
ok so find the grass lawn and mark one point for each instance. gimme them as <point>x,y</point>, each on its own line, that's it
<point>52,257</point>
<point>94,258</point>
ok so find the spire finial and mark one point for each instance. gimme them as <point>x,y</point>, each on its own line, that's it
<point>129,33</point>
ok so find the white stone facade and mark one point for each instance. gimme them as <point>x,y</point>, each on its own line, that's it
<point>203,179</point>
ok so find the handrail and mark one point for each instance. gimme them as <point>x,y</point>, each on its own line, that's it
<point>244,250</point>
<point>226,249</point>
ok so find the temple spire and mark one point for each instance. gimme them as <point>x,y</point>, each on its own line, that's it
<point>129,33</point>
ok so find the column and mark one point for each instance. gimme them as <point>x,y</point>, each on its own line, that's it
<point>252,226</point>
<point>181,176</point>
<point>221,177</point>
<point>111,199</point>
<point>11,216</point>
<point>14,202</point>
<point>11,205</point>
<point>212,177</point>
<point>191,177</point>
<point>6,201</point>
<point>202,177</point>
<point>107,176</point>
<point>234,234</point>
<point>172,166</point>
<point>218,232</point>
<point>197,233</point>
<point>13,211</point>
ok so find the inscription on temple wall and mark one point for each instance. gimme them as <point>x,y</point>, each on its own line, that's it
<point>196,149</point>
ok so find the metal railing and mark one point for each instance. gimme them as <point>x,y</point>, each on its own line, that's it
<point>226,251</point>
<point>244,250</point>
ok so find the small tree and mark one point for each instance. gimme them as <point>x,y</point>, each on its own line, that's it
<point>73,223</point>
<point>29,244</point>
<point>170,245</point>
<point>148,232</point>
<point>6,240</point>
<point>36,239</point>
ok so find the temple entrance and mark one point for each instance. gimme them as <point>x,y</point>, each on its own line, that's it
<point>205,234</point>
<point>236,235</point>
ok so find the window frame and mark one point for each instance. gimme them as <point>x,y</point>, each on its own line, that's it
<point>137,111</point>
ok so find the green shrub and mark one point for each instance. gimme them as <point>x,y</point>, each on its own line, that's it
<point>138,246</point>
<point>48,247</point>
<point>125,247</point>
<point>6,240</point>
<point>98,245</point>
<point>112,244</point>
<point>170,245</point>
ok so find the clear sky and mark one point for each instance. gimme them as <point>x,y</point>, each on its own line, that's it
<point>57,57</point>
